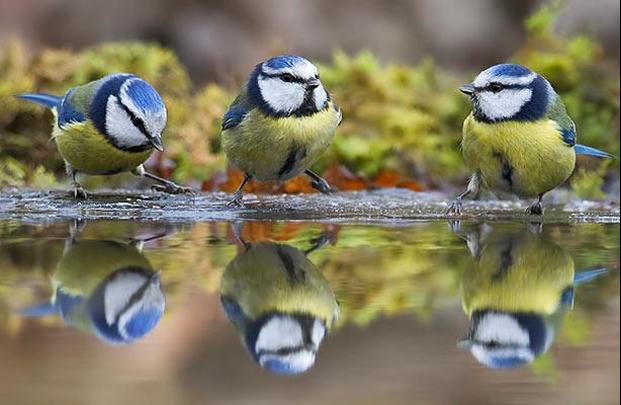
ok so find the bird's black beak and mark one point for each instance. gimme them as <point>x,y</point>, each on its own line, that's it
<point>156,141</point>
<point>312,84</point>
<point>467,89</point>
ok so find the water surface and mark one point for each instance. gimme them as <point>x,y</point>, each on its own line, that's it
<point>269,312</point>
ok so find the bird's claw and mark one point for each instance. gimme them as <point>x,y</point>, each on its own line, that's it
<point>322,186</point>
<point>535,209</point>
<point>236,201</point>
<point>79,193</point>
<point>455,208</point>
<point>172,188</point>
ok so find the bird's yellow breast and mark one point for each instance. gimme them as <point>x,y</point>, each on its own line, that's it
<point>85,264</point>
<point>279,148</point>
<point>532,280</point>
<point>88,151</point>
<point>524,158</point>
<point>270,277</point>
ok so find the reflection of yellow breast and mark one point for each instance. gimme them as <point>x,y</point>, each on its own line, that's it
<point>537,271</point>
<point>278,278</point>
<point>260,145</point>
<point>89,152</point>
<point>87,263</point>
<point>531,154</point>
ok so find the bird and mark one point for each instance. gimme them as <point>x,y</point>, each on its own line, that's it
<point>282,121</point>
<point>280,304</point>
<point>105,288</point>
<point>516,294</point>
<point>519,137</point>
<point>108,126</point>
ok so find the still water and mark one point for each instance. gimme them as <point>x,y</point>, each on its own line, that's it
<point>264,312</point>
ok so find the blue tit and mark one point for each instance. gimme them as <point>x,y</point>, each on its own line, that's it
<point>280,124</point>
<point>519,138</point>
<point>280,304</point>
<point>108,126</point>
<point>516,294</point>
<point>107,289</point>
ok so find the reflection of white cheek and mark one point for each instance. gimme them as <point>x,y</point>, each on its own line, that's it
<point>280,96</point>
<point>504,104</point>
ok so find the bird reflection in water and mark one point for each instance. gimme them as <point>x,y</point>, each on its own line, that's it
<point>516,294</point>
<point>105,288</point>
<point>280,304</point>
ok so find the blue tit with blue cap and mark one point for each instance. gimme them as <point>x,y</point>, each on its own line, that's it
<point>516,295</point>
<point>280,304</point>
<point>519,138</point>
<point>108,126</point>
<point>282,121</point>
<point>107,289</point>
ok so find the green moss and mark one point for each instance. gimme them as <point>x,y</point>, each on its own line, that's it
<point>401,118</point>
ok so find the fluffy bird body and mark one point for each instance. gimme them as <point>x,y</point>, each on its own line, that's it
<point>84,147</point>
<point>279,149</point>
<point>519,138</point>
<point>527,159</point>
<point>107,126</point>
<point>281,123</point>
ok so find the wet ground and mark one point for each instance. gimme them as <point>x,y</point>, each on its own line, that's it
<point>189,312</point>
<point>385,206</point>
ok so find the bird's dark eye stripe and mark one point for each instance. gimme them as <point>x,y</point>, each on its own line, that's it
<point>138,123</point>
<point>500,86</point>
<point>286,77</point>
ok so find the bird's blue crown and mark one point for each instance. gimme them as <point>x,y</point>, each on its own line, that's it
<point>284,61</point>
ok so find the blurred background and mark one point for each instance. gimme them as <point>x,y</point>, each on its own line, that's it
<point>214,38</point>
<point>392,66</point>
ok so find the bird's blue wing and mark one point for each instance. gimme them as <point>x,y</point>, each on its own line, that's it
<point>237,112</point>
<point>569,136</point>
<point>68,112</point>
<point>65,109</point>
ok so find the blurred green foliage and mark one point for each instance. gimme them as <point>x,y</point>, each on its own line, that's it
<point>406,119</point>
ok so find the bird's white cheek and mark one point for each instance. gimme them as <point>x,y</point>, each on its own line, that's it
<point>321,97</point>
<point>503,104</point>
<point>120,127</point>
<point>281,96</point>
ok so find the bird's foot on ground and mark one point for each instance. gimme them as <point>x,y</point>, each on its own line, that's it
<point>322,186</point>
<point>172,188</point>
<point>236,201</point>
<point>79,193</point>
<point>535,209</point>
<point>455,208</point>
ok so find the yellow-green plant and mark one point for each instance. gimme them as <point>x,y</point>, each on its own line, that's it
<point>405,119</point>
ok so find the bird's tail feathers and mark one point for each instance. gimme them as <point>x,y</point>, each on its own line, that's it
<point>587,150</point>
<point>585,276</point>
<point>38,310</point>
<point>46,100</point>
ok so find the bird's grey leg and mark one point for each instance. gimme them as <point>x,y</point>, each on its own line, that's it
<point>78,191</point>
<point>236,227</point>
<point>536,208</point>
<point>318,183</point>
<point>165,186</point>
<point>75,227</point>
<point>238,196</point>
<point>474,186</point>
